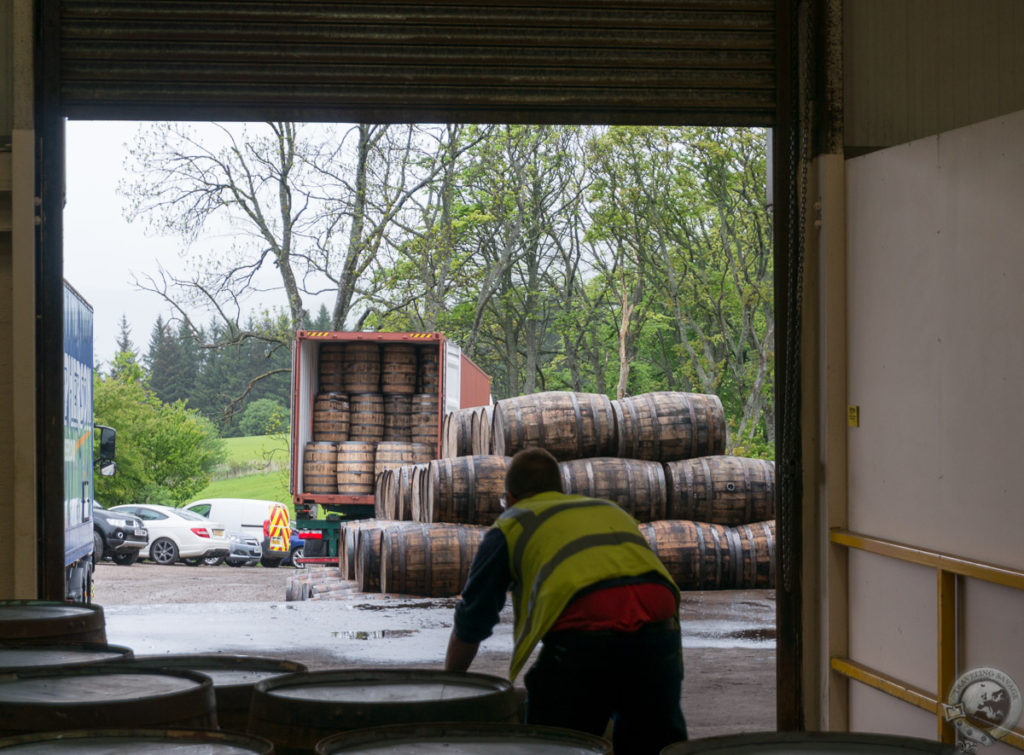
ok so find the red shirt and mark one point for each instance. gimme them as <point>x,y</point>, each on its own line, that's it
<point>624,608</point>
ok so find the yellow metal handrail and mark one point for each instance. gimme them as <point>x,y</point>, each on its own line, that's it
<point>947,569</point>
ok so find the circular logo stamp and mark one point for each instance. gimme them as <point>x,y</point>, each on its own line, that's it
<point>984,705</point>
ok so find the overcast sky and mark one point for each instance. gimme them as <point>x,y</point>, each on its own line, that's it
<point>102,250</point>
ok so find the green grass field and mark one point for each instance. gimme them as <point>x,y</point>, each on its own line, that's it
<point>256,467</point>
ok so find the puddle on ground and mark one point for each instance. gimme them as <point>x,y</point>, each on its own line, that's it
<point>379,634</point>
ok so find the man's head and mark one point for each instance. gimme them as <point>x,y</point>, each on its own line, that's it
<point>532,471</point>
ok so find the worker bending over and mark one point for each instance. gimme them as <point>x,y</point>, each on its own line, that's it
<point>585,583</point>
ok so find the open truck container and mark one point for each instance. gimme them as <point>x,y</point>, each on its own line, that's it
<point>461,385</point>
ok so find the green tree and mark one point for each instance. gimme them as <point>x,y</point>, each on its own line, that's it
<point>263,416</point>
<point>165,452</point>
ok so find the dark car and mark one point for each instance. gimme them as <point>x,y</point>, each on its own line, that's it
<point>118,536</point>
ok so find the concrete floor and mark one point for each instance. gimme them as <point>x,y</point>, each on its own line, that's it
<point>728,642</point>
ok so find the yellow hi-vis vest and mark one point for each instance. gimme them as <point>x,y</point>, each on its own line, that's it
<point>559,544</point>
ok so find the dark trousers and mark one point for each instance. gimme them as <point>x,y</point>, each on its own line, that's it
<point>581,679</point>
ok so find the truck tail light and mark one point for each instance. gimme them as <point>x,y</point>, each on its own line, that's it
<point>311,536</point>
<point>200,531</point>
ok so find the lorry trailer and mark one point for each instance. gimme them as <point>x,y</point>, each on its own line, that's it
<point>362,401</point>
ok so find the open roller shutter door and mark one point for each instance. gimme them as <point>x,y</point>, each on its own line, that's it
<point>514,61</point>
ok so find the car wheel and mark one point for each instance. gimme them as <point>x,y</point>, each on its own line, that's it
<point>126,559</point>
<point>164,551</point>
<point>270,563</point>
<point>97,547</point>
<point>214,560</point>
<point>297,556</point>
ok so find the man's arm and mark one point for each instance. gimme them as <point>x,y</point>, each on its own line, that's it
<point>460,654</point>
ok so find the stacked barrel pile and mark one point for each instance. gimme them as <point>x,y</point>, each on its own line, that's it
<point>376,408</point>
<point>709,516</point>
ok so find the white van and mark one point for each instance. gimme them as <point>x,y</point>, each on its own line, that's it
<point>265,520</point>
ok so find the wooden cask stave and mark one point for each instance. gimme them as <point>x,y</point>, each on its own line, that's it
<point>397,417</point>
<point>366,417</point>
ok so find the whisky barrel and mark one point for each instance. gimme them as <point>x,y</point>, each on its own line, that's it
<point>319,468</point>
<point>637,486</point>
<point>397,418</point>
<point>134,741</point>
<point>423,424</point>
<point>297,711</point>
<point>477,738</point>
<point>384,493</point>
<point>366,417</point>
<point>406,481</point>
<point>347,535</point>
<point>428,369</point>
<point>701,556</point>
<point>457,434</point>
<point>362,367</point>
<point>480,431</point>
<point>330,417</point>
<point>355,464</point>
<point>669,425</point>
<point>233,677</point>
<point>16,656</point>
<point>569,425</point>
<point>48,622</point>
<point>105,696</point>
<point>466,489</point>
<point>331,367</point>
<point>820,742</point>
<point>398,368</point>
<point>392,455</point>
<point>428,560</point>
<point>726,490</point>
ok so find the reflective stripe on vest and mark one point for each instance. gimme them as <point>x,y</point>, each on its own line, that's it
<point>548,569</point>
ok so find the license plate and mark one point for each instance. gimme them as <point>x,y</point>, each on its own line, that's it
<point>140,533</point>
<point>277,543</point>
<point>218,533</point>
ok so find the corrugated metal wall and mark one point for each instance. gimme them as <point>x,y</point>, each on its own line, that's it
<point>524,61</point>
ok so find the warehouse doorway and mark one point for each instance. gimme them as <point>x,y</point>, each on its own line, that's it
<point>68,88</point>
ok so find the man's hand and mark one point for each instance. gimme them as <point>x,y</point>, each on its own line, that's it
<point>460,654</point>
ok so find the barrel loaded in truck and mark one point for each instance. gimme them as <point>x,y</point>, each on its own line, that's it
<point>80,441</point>
<point>358,399</point>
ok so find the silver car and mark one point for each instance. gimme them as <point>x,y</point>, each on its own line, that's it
<point>246,549</point>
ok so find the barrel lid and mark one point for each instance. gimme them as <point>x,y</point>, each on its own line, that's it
<point>830,742</point>
<point>43,610</point>
<point>381,688</point>
<point>88,684</point>
<point>223,670</point>
<point>15,656</point>
<point>117,741</point>
<point>464,739</point>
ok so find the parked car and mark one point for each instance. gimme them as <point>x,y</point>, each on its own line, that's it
<point>117,536</point>
<point>177,534</point>
<point>246,549</point>
<point>266,520</point>
<point>296,549</point>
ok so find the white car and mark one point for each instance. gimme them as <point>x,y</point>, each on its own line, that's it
<point>178,534</point>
